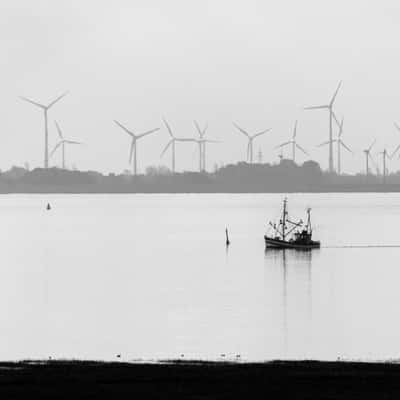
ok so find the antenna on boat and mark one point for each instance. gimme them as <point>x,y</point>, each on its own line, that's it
<point>227,237</point>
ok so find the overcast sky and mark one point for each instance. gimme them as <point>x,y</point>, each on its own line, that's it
<point>254,62</point>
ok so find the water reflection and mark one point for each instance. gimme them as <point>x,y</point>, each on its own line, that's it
<point>293,273</point>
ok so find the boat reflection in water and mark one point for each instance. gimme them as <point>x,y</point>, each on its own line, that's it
<point>292,269</point>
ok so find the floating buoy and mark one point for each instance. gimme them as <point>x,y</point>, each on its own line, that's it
<point>48,206</point>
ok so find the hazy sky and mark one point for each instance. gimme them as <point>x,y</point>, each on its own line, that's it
<point>254,62</point>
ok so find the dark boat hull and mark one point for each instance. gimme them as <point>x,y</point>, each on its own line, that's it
<point>282,244</point>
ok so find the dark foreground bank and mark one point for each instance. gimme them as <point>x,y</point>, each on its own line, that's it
<point>295,380</point>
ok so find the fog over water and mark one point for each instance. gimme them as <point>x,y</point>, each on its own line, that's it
<point>148,276</point>
<point>255,62</point>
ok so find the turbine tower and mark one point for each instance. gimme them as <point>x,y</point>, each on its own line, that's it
<point>62,143</point>
<point>293,143</point>
<point>250,140</point>
<point>133,148</point>
<point>332,116</point>
<point>45,109</point>
<point>172,143</point>
<point>368,158</point>
<point>339,142</point>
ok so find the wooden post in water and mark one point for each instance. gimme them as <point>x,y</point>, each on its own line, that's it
<point>227,237</point>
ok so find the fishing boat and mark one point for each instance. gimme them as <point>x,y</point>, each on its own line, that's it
<point>291,235</point>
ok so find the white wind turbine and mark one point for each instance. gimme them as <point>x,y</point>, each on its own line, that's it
<point>332,116</point>
<point>368,158</point>
<point>339,142</point>
<point>293,143</point>
<point>45,109</point>
<point>250,140</point>
<point>202,142</point>
<point>133,148</point>
<point>62,143</point>
<point>172,143</point>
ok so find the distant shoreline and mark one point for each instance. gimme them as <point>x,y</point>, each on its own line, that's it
<point>285,177</point>
<point>205,380</point>
<point>100,189</point>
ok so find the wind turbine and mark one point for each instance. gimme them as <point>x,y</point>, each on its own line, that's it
<point>368,157</point>
<point>332,116</point>
<point>398,147</point>
<point>62,143</point>
<point>172,143</point>
<point>45,109</point>
<point>340,144</point>
<point>250,140</point>
<point>294,144</point>
<point>202,145</point>
<point>135,138</point>
<point>384,157</point>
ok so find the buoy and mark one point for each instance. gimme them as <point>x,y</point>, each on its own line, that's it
<point>48,206</point>
<point>227,237</point>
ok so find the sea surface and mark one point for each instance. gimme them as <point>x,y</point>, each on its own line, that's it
<point>148,277</point>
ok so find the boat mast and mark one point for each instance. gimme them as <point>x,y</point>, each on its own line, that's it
<point>284,219</point>
<point>309,229</point>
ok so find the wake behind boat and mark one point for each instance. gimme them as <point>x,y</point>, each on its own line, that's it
<point>292,235</point>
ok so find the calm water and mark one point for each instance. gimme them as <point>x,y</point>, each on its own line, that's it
<point>149,277</point>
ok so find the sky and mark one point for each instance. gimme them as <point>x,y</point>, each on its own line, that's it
<point>257,63</point>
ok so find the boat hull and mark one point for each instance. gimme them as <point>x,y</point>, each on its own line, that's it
<point>282,244</point>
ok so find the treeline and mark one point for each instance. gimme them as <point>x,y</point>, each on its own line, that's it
<point>235,178</point>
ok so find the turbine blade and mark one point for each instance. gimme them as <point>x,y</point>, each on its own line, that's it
<point>336,92</point>
<point>124,128</point>
<point>168,128</point>
<point>240,129</point>
<point>59,130</point>
<point>295,131</point>
<point>148,133</point>
<point>325,143</point>
<point>198,128</point>
<point>316,107</point>
<point>33,102</point>
<point>370,147</point>
<point>347,148</point>
<point>55,148</point>
<point>261,133</point>
<point>166,147</point>
<point>301,149</point>
<point>204,130</point>
<point>394,153</point>
<point>72,142</point>
<point>185,140</point>
<point>397,126</point>
<point>57,100</point>
<point>336,119</point>
<point>283,144</point>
